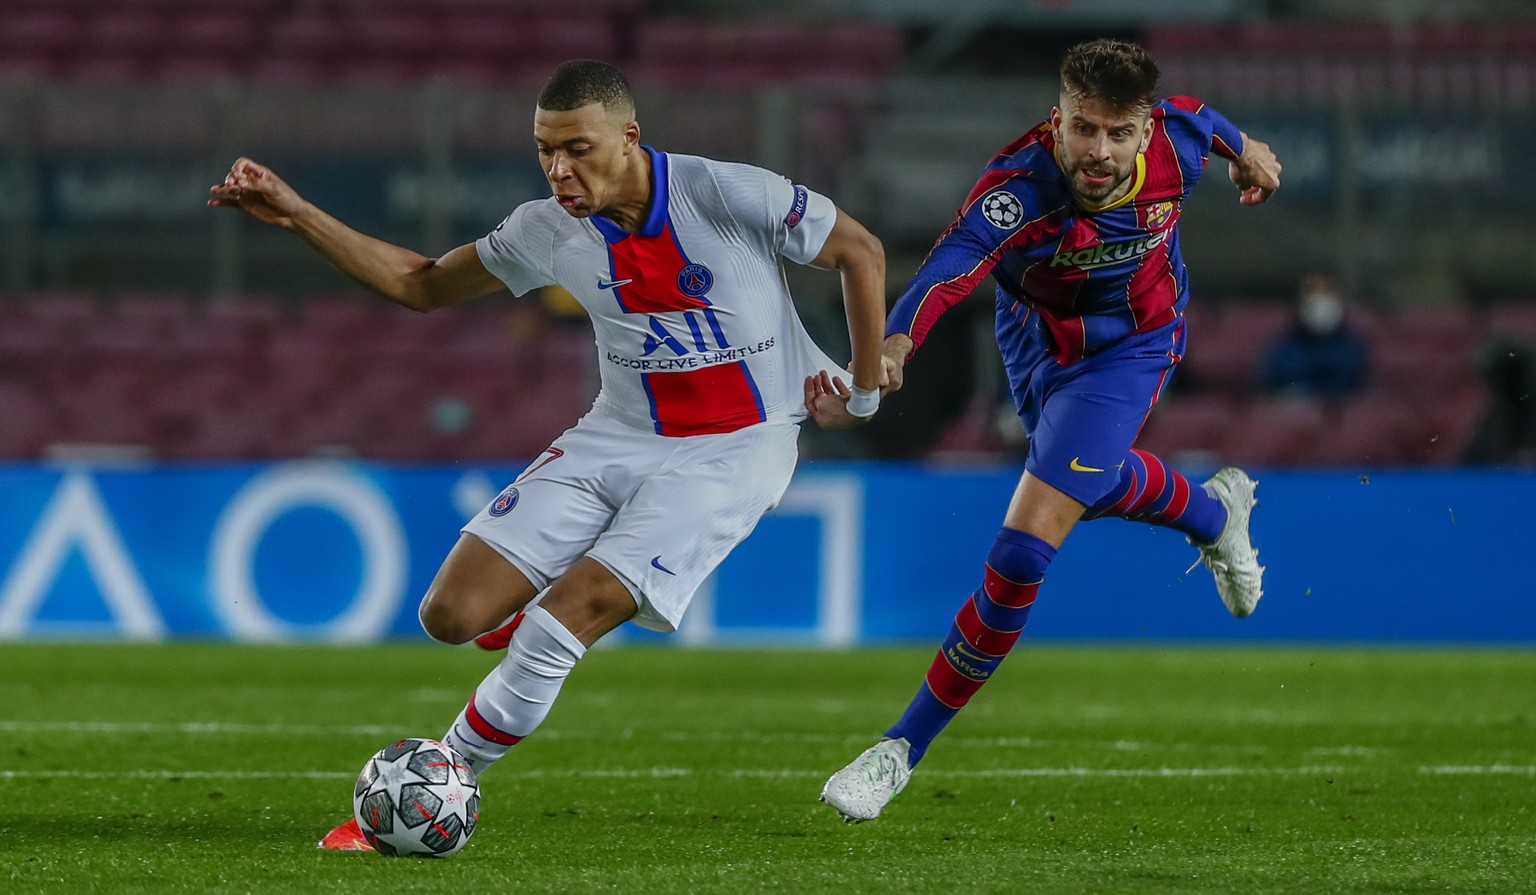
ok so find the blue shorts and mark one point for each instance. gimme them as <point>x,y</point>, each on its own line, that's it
<point>1083,418</point>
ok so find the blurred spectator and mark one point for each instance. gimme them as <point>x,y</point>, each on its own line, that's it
<point>1322,355</point>
<point>1506,432</point>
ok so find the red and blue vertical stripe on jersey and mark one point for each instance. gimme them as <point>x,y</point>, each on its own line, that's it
<point>655,276</point>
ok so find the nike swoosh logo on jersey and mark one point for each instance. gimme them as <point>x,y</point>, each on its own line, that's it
<point>656,562</point>
<point>612,284</point>
<point>1077,466</point>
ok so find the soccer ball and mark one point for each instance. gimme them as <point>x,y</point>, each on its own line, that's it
<point>417,797</point>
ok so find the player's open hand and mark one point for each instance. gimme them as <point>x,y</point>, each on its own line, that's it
<point>826,399</point>
<point>255,190</point>
<point>1256,172</point>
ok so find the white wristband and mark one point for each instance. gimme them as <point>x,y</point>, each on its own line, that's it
<point>864,402</point>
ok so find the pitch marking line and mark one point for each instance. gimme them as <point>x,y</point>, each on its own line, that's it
<point>664,772</point>
<point>1519,770</point>
<point>783,773</point>
<point>378,730</point>
<point>211,727</point>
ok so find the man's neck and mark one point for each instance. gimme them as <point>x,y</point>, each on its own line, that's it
<point>638,194</point>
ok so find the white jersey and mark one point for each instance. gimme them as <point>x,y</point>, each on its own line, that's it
<point>696,332</point>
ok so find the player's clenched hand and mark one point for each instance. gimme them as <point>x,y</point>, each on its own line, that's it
<point>255,190</point>
<point>826,399</point>
<point>1256,172</point>
<point>893,361</point>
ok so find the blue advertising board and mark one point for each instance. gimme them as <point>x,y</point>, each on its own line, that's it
<point>855,554</point>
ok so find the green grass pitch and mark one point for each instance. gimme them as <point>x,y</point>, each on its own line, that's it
<point>1124,769</point>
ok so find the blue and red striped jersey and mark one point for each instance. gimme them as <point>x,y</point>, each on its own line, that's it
<point>1090,277</point>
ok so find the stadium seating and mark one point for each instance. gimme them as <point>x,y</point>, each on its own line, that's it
<point>251,378</point>
<point>399,41</point>
<point>1421,401</point>
<point>343,374</point>
<point>1190,423</point>
<point>261,376</point>
<point>1269,61</point>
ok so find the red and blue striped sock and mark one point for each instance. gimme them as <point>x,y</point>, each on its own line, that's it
<point>985,629</point>
<point>1152,491</point>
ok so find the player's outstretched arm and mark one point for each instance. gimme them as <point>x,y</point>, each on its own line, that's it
<point>855,253</point>
<point>1256,172</point>
<point>397,273</point>
<point>858,255</point>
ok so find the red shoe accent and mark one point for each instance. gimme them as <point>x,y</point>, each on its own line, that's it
<point>347,837</point>
<point>502,636</point>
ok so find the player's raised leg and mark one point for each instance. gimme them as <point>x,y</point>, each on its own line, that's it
<point>984,631</point>
<point>1214,516</point>
<point>1150,490</point>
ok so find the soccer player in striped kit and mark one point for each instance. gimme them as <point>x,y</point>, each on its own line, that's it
<point>1077,222</point>
<point>706,372</point>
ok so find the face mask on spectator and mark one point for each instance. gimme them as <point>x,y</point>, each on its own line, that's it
<point>1322,312</point>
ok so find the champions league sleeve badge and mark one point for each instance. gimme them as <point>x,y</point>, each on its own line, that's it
<point>1002,209</point>
<point>797,209</point>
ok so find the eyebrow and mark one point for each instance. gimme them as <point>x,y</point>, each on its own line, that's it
<point>1111,126</point>
<point>579,138</point>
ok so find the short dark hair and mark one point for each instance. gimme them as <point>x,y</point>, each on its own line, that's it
<point>1116,72</point>
<point>581,82</point>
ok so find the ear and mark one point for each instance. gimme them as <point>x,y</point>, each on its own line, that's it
<point>1055,118</point>
<point>631,136</point>
<point>1146,135</point>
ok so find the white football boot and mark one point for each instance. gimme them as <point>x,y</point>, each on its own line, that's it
<point>1231,558</point>
<point>862,789</point>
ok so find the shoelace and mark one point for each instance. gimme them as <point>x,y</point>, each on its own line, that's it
<point>1209,563</point>
<point>877,770</point>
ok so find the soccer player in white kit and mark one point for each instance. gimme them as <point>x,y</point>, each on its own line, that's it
<point>706,373</point>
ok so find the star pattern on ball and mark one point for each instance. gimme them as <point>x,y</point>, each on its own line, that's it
<point>397,773</point>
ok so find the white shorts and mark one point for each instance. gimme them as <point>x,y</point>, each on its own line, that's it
<point>660,513</point>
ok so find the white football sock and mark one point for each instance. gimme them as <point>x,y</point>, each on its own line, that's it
<point>514,698</point>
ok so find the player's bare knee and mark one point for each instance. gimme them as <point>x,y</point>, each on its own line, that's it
<point>446,618</point>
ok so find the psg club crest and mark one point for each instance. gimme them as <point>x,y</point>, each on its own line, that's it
<point>695,280</point>
<point>504,502</point>
<point>1002,209</point>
